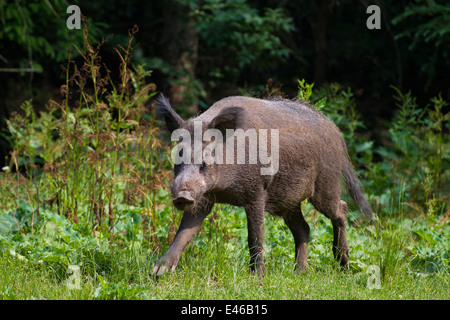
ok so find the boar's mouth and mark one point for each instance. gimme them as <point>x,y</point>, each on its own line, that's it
<point>183,201</point>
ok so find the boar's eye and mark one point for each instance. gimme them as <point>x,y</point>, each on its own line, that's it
<point>203,167</point>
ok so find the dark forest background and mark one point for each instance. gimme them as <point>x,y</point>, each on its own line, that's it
<point>201,51</point>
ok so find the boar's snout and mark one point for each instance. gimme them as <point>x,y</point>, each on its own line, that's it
<point>183,201</point>
<point>187,187</point>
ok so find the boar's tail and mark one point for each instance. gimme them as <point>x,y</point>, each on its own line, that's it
<point>354,187</point>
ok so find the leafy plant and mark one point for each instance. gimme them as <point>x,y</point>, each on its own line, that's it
<point>93,151</point>
<point>305,90</point>
<point>418,161</point>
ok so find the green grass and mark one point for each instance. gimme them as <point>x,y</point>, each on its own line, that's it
<point>214,266</point>
<point>203,279</point>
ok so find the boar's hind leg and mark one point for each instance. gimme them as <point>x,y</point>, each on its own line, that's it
<point>300,230</point>
<point>340,247</point>
<point>335,209</point>
<point>190,224</point>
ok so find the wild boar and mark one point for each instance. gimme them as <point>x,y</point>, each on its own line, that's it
<point>308,157</point>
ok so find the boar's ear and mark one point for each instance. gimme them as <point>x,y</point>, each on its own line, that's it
<point>165,112</point>
<point>229,118</point>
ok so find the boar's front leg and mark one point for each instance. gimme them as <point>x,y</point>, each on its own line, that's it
<point>190,224</point>
<point>255,224</point>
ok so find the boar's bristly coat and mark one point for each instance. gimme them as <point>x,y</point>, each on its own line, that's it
<point>311,155</point>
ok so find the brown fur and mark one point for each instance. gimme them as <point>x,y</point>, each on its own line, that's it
<point>312,157</point>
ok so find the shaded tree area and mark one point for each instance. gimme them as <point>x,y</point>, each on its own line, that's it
<point>201,51</point>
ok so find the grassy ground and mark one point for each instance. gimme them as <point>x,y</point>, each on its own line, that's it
<point>214,267</point>
<point>203,279</point>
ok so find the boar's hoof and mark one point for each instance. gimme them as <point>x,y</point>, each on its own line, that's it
<point>163,265</point>
<point>300,269</point>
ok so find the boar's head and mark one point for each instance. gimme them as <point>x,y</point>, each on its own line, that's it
<point>196,169</point>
